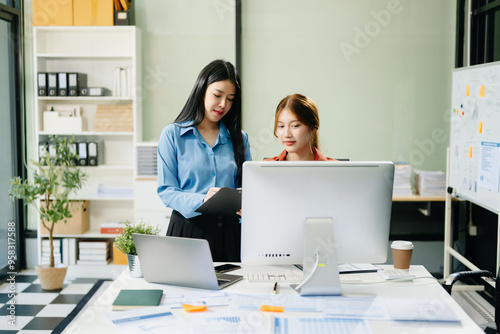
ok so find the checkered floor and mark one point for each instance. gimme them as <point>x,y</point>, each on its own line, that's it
<point>39,311</point>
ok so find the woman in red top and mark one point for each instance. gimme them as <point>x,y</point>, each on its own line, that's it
<point>296,126</point>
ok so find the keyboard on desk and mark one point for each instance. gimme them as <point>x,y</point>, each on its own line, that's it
<point>271,278</point>
<point>396,274</point>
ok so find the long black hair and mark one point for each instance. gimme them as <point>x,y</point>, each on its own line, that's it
<point>194,109</point>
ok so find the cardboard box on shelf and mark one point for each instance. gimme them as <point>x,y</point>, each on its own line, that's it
<point>52,12</point>
<point>93,12</point>
<point>77,224</point>
<point>119,257</point>
<point>114,118</point>
<point>57,122</point>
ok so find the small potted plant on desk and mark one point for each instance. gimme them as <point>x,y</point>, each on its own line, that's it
<point>55,178</point>
<point>125,243</point>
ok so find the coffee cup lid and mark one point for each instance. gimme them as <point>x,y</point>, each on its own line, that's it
<point>400,244</point>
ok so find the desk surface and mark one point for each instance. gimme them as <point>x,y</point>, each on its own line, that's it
<point>93,319</point>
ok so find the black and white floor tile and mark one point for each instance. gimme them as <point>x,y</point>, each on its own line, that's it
<point>37,311</point>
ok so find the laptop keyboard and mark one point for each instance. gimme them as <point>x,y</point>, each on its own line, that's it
<point>222,281</point>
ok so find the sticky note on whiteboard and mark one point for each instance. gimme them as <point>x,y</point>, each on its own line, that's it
<point>480,127</point>
<point>470,151</point>
<point>481,91</point>
<point>467,90</point>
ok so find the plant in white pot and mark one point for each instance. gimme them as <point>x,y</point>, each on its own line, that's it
<point>54,180</point>
<point>125,243</point>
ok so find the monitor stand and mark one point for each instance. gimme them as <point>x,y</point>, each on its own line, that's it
<point>321,271</point>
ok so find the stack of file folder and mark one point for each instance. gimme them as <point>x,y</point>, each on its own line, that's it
<point>429,183</point>
<point>402,183</point>
<point>93,252</point>
<point>115,191</point>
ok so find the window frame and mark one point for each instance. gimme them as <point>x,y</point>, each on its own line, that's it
<point>12,13</point>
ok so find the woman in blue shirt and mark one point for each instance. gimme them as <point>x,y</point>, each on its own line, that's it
<point>203,150</point>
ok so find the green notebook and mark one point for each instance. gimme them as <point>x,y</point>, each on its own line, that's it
<point>130,299</point>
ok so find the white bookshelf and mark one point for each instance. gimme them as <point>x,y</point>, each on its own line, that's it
<point>97,52</point>
<point>148,206</point>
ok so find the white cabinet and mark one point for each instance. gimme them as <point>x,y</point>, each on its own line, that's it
<point>99,53</point>
<point>148,206</point>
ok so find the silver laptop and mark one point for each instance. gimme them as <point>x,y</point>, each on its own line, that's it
<point>179,261</point>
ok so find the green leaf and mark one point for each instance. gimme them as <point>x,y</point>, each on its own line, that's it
<point>125,242</point>
<point>54,178</point>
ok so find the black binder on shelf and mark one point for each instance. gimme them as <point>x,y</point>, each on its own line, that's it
<point>52,84</point>
<point>82,154</point>
<point>42,83</point>
<point>92,154</point>
<point>62,80</point>
<point>75,82</point>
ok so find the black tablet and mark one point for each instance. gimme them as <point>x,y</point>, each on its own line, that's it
<point>224,202</point>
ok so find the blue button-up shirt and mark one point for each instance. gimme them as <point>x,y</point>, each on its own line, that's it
<point>188,166</point>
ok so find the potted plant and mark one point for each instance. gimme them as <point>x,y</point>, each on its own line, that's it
<point>125,243</point>
<point>54,179</point>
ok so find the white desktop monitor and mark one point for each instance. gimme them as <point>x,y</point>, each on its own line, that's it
<point>278,197</point>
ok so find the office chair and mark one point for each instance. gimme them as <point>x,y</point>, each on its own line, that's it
<point>458,276</point>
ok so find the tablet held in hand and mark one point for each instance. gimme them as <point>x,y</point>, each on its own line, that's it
<point>227,201</point>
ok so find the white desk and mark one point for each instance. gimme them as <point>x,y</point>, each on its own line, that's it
<point>93,320</point>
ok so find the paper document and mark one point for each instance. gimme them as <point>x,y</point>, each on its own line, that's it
<point>291,303</point>
<point>489,166</point>
<point>294,325</point>
<point>151,320</point>
<point>175,301</point>
<point>430,183</point>
<point>420,310</point>
<point>373,308</point>
<point>228,322</point>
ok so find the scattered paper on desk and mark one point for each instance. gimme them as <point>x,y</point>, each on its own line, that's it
<point>420,310</point>
<point>297,325</point>
<point>228,322</point>
<point>197,299</point>
<point>373,308</point>
<point>291,303</point>
<point>151,320</point>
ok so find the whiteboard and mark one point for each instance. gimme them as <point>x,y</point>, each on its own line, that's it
<point>474,164</point>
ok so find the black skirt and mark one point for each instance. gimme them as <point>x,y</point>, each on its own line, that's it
<point>223,233</point>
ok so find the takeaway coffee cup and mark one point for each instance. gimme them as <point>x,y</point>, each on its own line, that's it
<point>401,254</point>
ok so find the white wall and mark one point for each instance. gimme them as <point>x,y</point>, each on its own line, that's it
<point>379,71</point>
<point>179,39</point>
